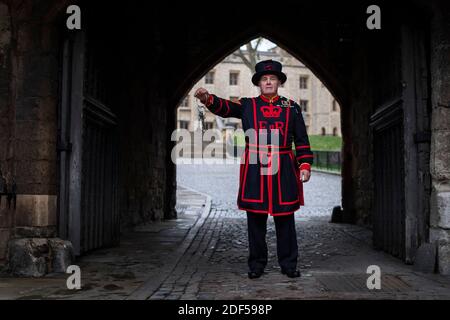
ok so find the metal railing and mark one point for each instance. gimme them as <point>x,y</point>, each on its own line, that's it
<point>327,160</point>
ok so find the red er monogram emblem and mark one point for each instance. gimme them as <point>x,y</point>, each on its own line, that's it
<point>268,68</point>
<point>277,125</point>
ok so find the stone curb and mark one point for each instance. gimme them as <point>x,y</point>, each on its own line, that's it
<point>148,288</point>
<point>326,171</point>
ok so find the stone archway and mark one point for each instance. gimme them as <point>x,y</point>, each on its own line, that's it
<point>349,63</point>
<point>369,72</point>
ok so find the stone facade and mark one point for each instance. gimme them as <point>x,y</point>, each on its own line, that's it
<point>322,111</point>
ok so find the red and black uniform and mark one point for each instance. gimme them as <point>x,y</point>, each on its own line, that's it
<point>270,180</point>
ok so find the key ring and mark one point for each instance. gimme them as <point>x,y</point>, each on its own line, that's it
<point>201,114</point>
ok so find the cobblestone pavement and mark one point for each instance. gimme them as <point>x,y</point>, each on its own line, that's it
<point>333,260</point>
<point>139,265</point>
<point>203,254</point>
<point>333,257</point>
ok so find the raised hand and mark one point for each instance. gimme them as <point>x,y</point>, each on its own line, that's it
<point>202,94</point>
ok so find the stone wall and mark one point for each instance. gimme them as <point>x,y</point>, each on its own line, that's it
<point>29,55</point>
<point>143,152</point>
<point>358,142</point>
<point>5,121</point>
<point>30,64</point>
<point>440,146</point>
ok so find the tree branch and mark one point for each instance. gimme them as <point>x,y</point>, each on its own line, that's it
<point>244,59</point>
<point>252,56</point>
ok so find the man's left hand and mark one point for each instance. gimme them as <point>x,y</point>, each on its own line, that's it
<point>305,175</point>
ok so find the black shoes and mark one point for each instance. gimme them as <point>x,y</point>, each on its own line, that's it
<point>291,273</point>
<point>255,274</point>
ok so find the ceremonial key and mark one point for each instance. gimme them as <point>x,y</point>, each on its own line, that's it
<point>201,116</point>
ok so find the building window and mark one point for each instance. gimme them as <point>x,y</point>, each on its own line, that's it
<point>185,102</point>
<point>335,131</point>
<point>303,82</point>
<point>234,78</point>
<point>209,78</point>
<point>209,125</point>
<point>324,132</point>
<point>334,105</point>
<point>304,105</point>
<point>184,124</point>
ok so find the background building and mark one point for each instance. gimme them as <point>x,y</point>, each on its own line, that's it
<point>231,79</point>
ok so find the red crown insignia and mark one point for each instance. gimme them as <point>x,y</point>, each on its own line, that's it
<point>271,112</point>
<point>268,68</point>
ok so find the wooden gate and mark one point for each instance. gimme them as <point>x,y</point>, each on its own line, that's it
<point>88,155</point>
<point>389,206</point>
<point>99,214</point>
<point>401,133</point>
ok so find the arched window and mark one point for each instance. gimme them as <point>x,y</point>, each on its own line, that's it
<point>324,132</point>
<point>334,131</point>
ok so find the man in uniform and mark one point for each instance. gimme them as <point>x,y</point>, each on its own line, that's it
<point>271,176</point>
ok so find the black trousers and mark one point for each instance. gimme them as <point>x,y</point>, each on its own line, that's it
<point>287,249</point>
